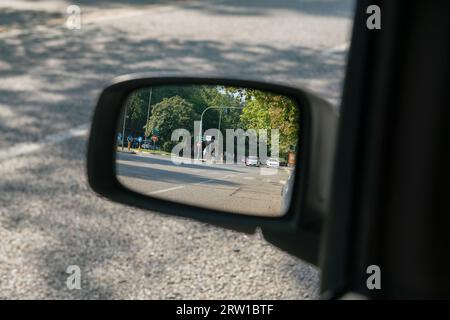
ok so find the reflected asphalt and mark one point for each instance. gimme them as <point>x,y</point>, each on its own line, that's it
<point>228,187</point>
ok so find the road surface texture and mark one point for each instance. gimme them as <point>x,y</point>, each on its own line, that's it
<point>226,187</point>
<point>50,80</point>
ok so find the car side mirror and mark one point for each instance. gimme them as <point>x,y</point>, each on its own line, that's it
<point>235,153</point>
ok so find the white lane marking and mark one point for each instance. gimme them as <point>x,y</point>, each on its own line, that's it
<point>166,190</point>
<point>95,18</point>
<point>21,149</point>
<point>180,187</point>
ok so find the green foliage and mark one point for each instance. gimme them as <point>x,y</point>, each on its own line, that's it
<point>265,110</point>
<point>136,112</point>
<point>168,146</point>
<point>168,115</point>
<point>174,107</point>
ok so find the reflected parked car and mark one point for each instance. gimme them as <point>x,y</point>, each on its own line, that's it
<point>273,163</point>
<point>252,161</point>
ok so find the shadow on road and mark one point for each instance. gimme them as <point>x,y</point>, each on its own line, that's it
<point>51,81</point>
<point>168,162</point>
<point>10,18</point>
<point>175,177</point>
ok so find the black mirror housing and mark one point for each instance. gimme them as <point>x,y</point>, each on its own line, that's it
<point>297,232</point>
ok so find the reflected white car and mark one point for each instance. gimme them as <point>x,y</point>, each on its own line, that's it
<point>252,161</point>
<point>273,163</point>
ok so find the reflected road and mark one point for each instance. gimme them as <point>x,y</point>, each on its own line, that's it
<point>228,187</point>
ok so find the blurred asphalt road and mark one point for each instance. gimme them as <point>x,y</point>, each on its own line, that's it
<point>50,78</point>
<point>227,187</point>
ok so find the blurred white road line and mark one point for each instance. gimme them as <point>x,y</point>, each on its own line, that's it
<point>180,187</point>
<point>165,190</point>
<point>21,149</point>
<point>87,18</point>
<point>96,17</point>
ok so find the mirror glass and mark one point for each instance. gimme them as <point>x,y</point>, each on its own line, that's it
<point>225,148</point>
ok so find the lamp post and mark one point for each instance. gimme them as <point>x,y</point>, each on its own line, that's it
<point>148,114</point>
<point>218,135</point>
<point>201,123</point>
<point>124,121</point>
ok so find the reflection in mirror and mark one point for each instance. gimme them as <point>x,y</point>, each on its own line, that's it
<point>223,148</point>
